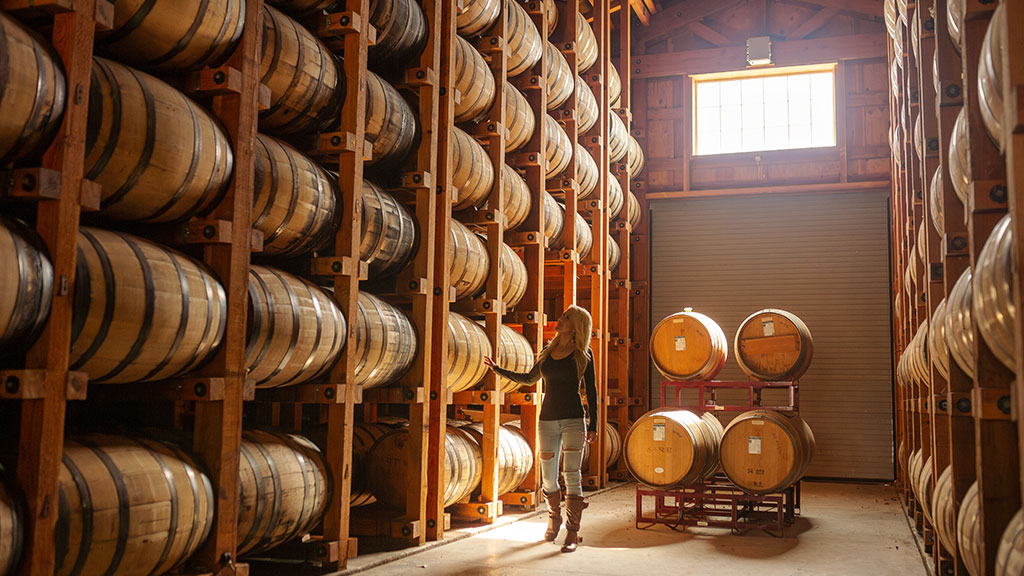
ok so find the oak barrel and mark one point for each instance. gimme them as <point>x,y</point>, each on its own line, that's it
<point>472,171</point>
<point>891,16</point>
<point>586,173</point>
<point>614,87</point>
<point>516,197</point>
<point>515,457</point>
<point>960,324</point>
<point>552,10</point>
<point>612,447</point>
<point>468,261</point>
<point>668,448</point>
<point>586,45</point>
<point>586,107</point>
<point>618,138</point>
<point>954,18</point>
<point>935,208</point>
<point>26,285</point>
<point>615,199</point>
<point>993,287</point>
<point>688,345</point>
<point>158,156</point>
<point>773,344</point>
<point>295,330</point>
<point>990,71</point>
<point>389,462</point>
<point>614,254</point>
<point>477,16</point>
<point>306,81</point>
<point>284,486</point>
<point>467,346</point>
<point>364,435</point>
<point>474,82</point>
<point>514,353</point>
<point>924,489</point>
<point>12,528</point>
<point>557,147</point>
<point>633,211</point>
<point>142,312</point>
<point>959,167</point>
<point>34,94</point>
<point>634,158</point>
<point>524,42</point>
<point>584,240</point>
<point>914,475</point>
<point>919,137</point>
<point>180,35</point>
<point>388,232</point>
<point>558,76</point>
<point>512,272</point>
<point>302,7</point>
<point>128,506</point>
<point>968,531</point>
<point>554,220</point>
<point>766,451</point>
<point>943,511</point>
<point>938,350</point>
<point>386,342</point>
<point>390,123</point>
<point>295,200</point>
<point>401,31</point>
<point>1010,554</point>
<point>519,119</point>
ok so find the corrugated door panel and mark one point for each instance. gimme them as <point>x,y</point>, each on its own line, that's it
<point>824,258</point>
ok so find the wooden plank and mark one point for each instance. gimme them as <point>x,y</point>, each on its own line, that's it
<point>861,8</point>
<point>1013,137</point>
<point>813,24</point>
<point>713,36</point>
<point>788,189</point>
<point>671,21</point>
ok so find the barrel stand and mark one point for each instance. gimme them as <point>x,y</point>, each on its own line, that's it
<point>718,504</point>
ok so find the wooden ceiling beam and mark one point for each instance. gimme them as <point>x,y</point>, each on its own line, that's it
<point>641,11</point>
<point>784,53</point>
<point>871,9</point>
<point>712,36</point>
<point>681,15</point>
<point>813,24</point>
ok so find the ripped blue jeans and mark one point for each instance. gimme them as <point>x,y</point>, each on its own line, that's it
<point>565,438</point>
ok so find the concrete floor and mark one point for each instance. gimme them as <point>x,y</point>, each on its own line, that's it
<point>844,529</point>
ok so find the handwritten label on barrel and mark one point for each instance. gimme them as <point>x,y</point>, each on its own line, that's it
<point>753,444</point>
<point>659,430</point>
<point>768,327</point>
<point>680,343</point>
<point>659,470</point>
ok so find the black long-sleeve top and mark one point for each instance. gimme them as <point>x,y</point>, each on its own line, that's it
<point>561,394</point>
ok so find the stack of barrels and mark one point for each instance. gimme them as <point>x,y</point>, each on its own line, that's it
<point>760,451</point>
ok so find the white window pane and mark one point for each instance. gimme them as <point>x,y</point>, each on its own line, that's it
<point>799,113</point>
<point>800,87</point>
<point>823,134</point>
<point>822,85</point>
<point>775,89</point>
<point>707,94</point>
<point>799,136</point>
<point>730,93</point>
<point>753,117</point>
<point>753,91</point>
<point>709,144</point>
<point>776,114</point>
<point>753,140</point>
<point>776,138</point>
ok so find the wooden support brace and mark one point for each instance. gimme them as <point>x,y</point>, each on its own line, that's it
<point>344,266</point>
<point>520,239</point>
<point>341,23</point>
<point>32,384</point>
<point>309,394</point>
<point>477,306</point>
<point>480,397</point>
<point>477,511</point>
<point>397,395</point>
<point>421,76</point>
<point>992,403</point>
<point>524,499</point>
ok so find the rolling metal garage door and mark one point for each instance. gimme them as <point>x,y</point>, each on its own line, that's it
<point>823,257</point>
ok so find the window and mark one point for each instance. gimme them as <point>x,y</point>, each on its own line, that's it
<point>781,109</point>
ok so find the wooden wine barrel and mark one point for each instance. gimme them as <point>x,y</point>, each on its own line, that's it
<point>584,240</point>
<point>614,254</point>
<point>284,486</point>
<point>301,7</point>
<point>158,156</point>
<point>897,42</point>
<point>773,345</point>
<point>468,261</point>
<point>612,447</point>
<point>558,76</point>
<point>633,211</point>
<point>618,139</point>
<point>388,232</point>
<point>891,16</point>
<point>128,506</point>
<point>990,71</point>
<point>294,199</point>
<point>765,451</point>
<point>942,510</point>
<point>295,330</point>
<point>586,107</point>
<point>615,199</point>
<point>586,173</point>
<point>512,272</point>
<point>614,86</point>
<point>182,35</point>
<point>936,80</point>
<point>525,44</point>
<point>959,168</point>
<point>390,122</point>
<point>401,31</point>
<point>306,81</point>
<point>472,171</point>
<point>586,45</point>
<point>920,356</point>
<point>924,489</point>
<point>477,16</point>
<point>1010,555</point>
<point>554,220</point>
<point>389,461</point>
<point>914,476</point>
<point>514,353</point>
<point>915,39</point>
<point>473,80</point>
<point>668,448</point>
<point>935,202</point>
<point>519,119</point>
<point>364,434</point>
<point>142,312</point>
<point>993,283</point>
<point>919,136</point>
<point>467,346</point>
<point>688,345</point>
<point>960,324</point>
<point>385,343</point>
<point>12,528</point>
<point>895,86</point>
<point>516,195</point>
<point>515,457</point>
<point>634,158</point>
<point>552,10</point>
<point>968,531</point>
<point>954,18</point>
<point>557,147</point>
<point>938,350</point>
<point>26,285</point>
<point>34,95</point>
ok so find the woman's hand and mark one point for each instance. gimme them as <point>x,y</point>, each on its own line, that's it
<point>591,436</point>
<point>488,362</point>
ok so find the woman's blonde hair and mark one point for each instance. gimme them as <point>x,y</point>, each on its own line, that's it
<point>581,323</point>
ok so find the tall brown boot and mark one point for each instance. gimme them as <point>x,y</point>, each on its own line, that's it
<point>574,506</point>
<point>554,515</point>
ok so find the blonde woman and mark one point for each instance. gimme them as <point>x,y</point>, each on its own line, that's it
<point>564,363</point>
